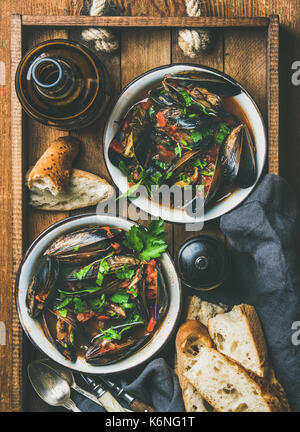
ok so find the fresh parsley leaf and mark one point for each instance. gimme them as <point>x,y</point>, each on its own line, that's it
<point>82,272</point>
<point>133,291</point>
<point>63,313</point>
<point>63,304</point>
<point>186,97</point>
<point>87,290</point>
<point>125,272</point>
<point>133,240</point>
<point>80,305</point>
<point>149,242</point>
<point>119,298</point>
<point>131,190</point>
<point>97,304</point>
<point>223,133</point>
<point>178,150</point>
<point>162,165</point>
<point>154,251</point>
<point>156,178</point>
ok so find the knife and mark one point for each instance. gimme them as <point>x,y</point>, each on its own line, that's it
<point>105,398</point>
<point>132,401</point>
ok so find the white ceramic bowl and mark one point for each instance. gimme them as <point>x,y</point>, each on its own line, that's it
<point>32,327</point>
<point>130,95</point>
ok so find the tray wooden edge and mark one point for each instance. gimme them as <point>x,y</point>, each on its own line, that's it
<point>17,211</point>
<point>273,95</point>
<point>19,21</point>
<point>142,21</point>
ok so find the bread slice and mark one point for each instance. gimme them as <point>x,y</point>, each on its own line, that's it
<point>238,335</point>
<point>191,336</point>
<point>84,189</point>
<point>226,385</point>
<point>53,170</point>
<point>272,390</point>
<point>203,311</point>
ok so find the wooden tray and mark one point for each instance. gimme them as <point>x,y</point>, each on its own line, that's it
<point>245,48</point>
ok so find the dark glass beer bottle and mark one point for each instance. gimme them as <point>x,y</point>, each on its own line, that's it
<point>62,84</point>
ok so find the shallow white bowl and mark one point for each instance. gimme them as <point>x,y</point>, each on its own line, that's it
<point>32,327</point>
<point>130,95</point>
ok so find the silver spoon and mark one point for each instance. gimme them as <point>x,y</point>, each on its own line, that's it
<point>67,375</point>
<point>50,386</point>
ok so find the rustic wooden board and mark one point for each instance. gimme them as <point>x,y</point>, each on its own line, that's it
<point>250,56</point>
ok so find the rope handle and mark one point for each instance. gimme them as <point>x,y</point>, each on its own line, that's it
<point>190,41</point>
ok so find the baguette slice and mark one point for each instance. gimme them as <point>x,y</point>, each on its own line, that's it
<point>203,311</point>
<point>226,385</point>
<point>238,335</point>
<point>84,189</point>
<point>53,170</point>
<point>191,336</point>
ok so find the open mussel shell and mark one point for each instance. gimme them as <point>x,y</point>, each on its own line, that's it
<point>115,262</point>
<point>132,142</point>
<point>66,333</point>
<point>162,298</point>
<point>161,97</point>
<point>178,166</point>
<point>239,158</point>
<point>177,117</point>
<point>42,286</point>
<point>200,195</point>
<point>83,245</point>
<point>213,83</point>
<point>95,355</point>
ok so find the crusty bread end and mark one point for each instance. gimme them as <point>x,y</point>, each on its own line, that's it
<point>53,170</point>
<point>84,189</point>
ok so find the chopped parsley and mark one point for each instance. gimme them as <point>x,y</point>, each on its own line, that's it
<point>125,272</point>
<point>223,133</point>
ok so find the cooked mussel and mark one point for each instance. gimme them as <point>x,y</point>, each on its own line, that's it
<point>162,298</point>
<point>177,117</point>
<point>132,142</point>
<point>42,286</point>
<point>67,330</point>
<point>201,181</point>
<point>85,244</point>
<point>198,91</point>
<point>238,158</point>
<point>104,351</point>
<point>90,271</point>
<point>161,97</point>
<point>212,83</point>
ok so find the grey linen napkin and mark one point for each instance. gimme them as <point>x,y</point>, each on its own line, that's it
<point>264,234</point>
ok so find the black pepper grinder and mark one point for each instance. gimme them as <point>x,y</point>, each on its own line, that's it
<point>204,262</point>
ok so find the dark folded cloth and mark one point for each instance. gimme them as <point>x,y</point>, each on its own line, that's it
<point>264,236</point>
<point>263,233</point>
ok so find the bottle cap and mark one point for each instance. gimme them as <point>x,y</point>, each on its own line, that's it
<point>204,262</point>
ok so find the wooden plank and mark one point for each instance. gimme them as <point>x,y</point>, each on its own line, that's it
<point>161,22</point>
<point>245,56</point>
<point>273,94</point>
<point>17,210</point>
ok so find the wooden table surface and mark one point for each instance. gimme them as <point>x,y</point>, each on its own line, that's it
<point>288,10</point>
